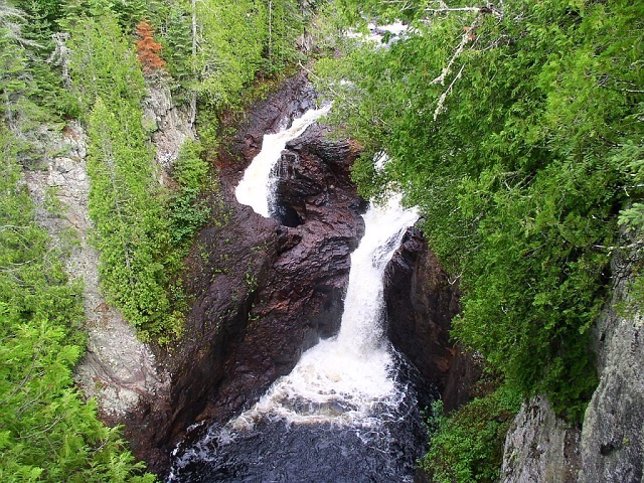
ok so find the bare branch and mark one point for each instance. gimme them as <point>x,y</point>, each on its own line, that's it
<point>454,9</point>
<point>441,101</point>
<point>465,39</point>
<point>490,9</point>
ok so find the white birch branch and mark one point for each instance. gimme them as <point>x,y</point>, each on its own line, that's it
<point>441,100</point>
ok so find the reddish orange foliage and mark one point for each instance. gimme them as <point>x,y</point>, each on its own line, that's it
<point>148,49</point>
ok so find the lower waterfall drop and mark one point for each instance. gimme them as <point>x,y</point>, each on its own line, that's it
<point>344,413</point>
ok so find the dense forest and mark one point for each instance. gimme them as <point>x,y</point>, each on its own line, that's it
<point>514,127</point>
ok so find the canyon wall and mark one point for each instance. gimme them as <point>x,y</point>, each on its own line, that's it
<point>421,302</point>
<point>261,290</point>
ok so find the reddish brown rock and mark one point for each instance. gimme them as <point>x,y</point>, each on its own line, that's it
<point>262,291</point>
<point>421,303</point>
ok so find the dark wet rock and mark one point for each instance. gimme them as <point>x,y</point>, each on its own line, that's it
<point>314,171</point>
<point>421,302</point>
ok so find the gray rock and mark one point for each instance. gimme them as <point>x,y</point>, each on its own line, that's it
<point>170,124</point>
<point>540,447</point>
<point>612,439</point>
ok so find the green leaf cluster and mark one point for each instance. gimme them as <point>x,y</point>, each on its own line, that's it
<point>189,210</point>
<point>258,36</point>
<point>468,444</point>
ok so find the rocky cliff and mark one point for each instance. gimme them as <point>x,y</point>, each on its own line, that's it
<point>610,445</point>
<point>421,302</point>
<point>169,124</point>
<point>263,290</point>
<point>118,370</point>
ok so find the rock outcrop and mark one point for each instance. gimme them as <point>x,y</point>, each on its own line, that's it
<point>612,436</point>
<point>421,302</point>
<point>118,370</point>
<point>540,447</point>
<point>263,291</point>
<point>170,125</point>
<point>610,446</point>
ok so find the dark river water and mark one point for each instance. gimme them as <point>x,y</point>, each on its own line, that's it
<point>274,450</point>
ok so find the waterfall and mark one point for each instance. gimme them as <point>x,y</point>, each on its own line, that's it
<point>340,380</point>
<point>343,413</point>
<point>257,187</point>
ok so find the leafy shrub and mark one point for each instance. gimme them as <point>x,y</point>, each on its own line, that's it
<point>187,211</point>
<point>467,446</point>
<point>127,204</point>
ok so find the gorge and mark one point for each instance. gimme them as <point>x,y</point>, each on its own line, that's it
<point>352,389</point>
<point>336,240</point>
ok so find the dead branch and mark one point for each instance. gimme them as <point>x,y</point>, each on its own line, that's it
<point>489,10</point>
<point>465,39</point>
<point>440,107</point>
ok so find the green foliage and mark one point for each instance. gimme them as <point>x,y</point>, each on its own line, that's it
<point>286,23</point>
<point>175,33</point>
<point>131,230</point>
<point>521,165</point>
<point>126,202</point>
<point>104,65</point>
<point>230,56</point>
<point>16,109</point>
<point>259,37</point>
<point>467,446</point>
<point>187,209</point>
<point>47,432</point>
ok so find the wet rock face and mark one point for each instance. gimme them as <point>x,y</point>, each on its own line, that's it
<point>421,303</point>
<point>295,96</point>
<point>263,291</point>
<point>315,172</point>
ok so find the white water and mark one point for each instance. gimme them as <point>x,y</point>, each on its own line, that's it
<point>256,189</point>
<point>342,380</point>
<point>377,33</point>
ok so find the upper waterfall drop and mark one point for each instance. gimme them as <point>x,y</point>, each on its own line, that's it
<point>256,187</point>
